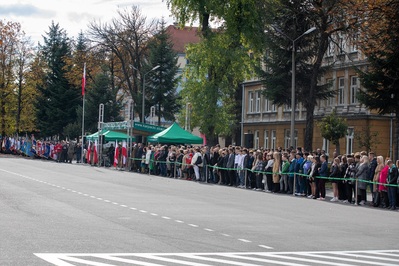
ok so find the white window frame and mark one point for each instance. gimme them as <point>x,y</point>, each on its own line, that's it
<point>250,102</point>
<point>257,101</point>
<point>353,46</point>
<point>341,91</point>
<point>287,138</point>
<point>273,140</point>
<point>342,43</point>
<point>354,89</point>
<point>350,136</point>
<point>256,139</point>
<point>326,145</point>
<point>266,139</point>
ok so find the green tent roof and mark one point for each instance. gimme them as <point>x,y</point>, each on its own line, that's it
<point>175,134</point>
<point>110,136</point>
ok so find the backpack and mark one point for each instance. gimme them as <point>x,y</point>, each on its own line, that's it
<point>199,160</point>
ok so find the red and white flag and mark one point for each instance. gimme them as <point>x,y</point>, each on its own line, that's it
<point>95,154</point>
<point>88,153</point>
<point>116,155</point>
<point>84,79</point>
<point>124,152</point>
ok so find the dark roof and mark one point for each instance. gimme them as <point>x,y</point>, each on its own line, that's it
<point>180,37</point>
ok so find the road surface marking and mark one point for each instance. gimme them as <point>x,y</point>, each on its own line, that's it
<point>266,247</point>
<point>115,203</point>
<point>244,240</point>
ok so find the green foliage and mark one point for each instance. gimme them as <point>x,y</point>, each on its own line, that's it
<point>58,100</point>
<point>162,82</point>
<point>365,138</point>
<point>333,128</point>
<point>100,91</point>
<point>212,78</point>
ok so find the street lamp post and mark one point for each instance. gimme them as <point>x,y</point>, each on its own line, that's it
<point>143,103</point>
<point>292,128</point>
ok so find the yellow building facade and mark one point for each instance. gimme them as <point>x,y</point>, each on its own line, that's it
<point>270,125</point>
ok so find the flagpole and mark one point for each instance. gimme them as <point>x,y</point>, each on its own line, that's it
<point>83,111</point>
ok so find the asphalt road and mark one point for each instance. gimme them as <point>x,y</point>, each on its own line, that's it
<point>70,214</point>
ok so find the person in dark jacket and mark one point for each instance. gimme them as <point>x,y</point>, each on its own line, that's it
<point>392,181</point>
<point>323,173</point>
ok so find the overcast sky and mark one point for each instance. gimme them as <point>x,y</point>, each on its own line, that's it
<point>36,16</point>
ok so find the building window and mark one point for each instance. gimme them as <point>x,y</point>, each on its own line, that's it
<point>256,139</point>
<point>257,102</point>
<point>353,43</point>
<point>330,49</point>
<point>287,138</point>
<point>274,140</point>
<point>250,102</point>
<point>354,88</point>
<point>266,139</point>
<point>342,43</point>
<point>326,145</point>
<point>341,90</point>
<point>349,140</point>
<point>287,107</point>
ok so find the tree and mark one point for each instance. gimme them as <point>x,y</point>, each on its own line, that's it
<point>100,91</point>
<point>162,82</point>
<point>288,20</point>
<point>10,33</point>
<point>220,62</point>
<point>365,138</point>
<point>127,38</point>
<point>333,128</point>
<point>378,40</point>
<point>24,57</point>
<point>58,99</point>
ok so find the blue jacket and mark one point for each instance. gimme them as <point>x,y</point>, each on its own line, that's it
<point>323,169</point>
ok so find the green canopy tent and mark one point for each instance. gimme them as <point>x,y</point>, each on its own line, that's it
<point>175,134</point>
<point>110,136</point>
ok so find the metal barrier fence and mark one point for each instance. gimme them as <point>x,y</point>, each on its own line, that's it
<point>279,173</point>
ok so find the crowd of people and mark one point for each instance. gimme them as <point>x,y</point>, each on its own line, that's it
<point>288,171</point>
<point>294,171</point>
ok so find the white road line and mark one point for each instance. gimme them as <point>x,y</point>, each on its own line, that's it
<point>260,260</point>
<point>115,203</point>
<point>99,198</point>
<point>154,214</point>
<point>106,200</point>
<point>129,261</point>
<point>225,235</point>
<point>318,262</point>
<point>334,257</point>
<point>178,221</point>
<point>134,209</point>
<point>93,197</point>
<point>366,257</point>
<point>175,261</point>
<point>193,225</point>
<point>244,240</point>
<point>209,230</point>
<point>266,247</point>
<point>166,217</point>
<point>124,206</point>
<point>143,211</point>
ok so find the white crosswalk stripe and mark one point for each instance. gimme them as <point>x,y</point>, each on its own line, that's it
<point>336,258</point>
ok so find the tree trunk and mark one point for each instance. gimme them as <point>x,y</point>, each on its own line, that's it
<point>309,127</point>
<point>337,148</point>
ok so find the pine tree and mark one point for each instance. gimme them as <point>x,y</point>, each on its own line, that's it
<point>162,82</point>
<point>59,99</point>
<point>100,91</point>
